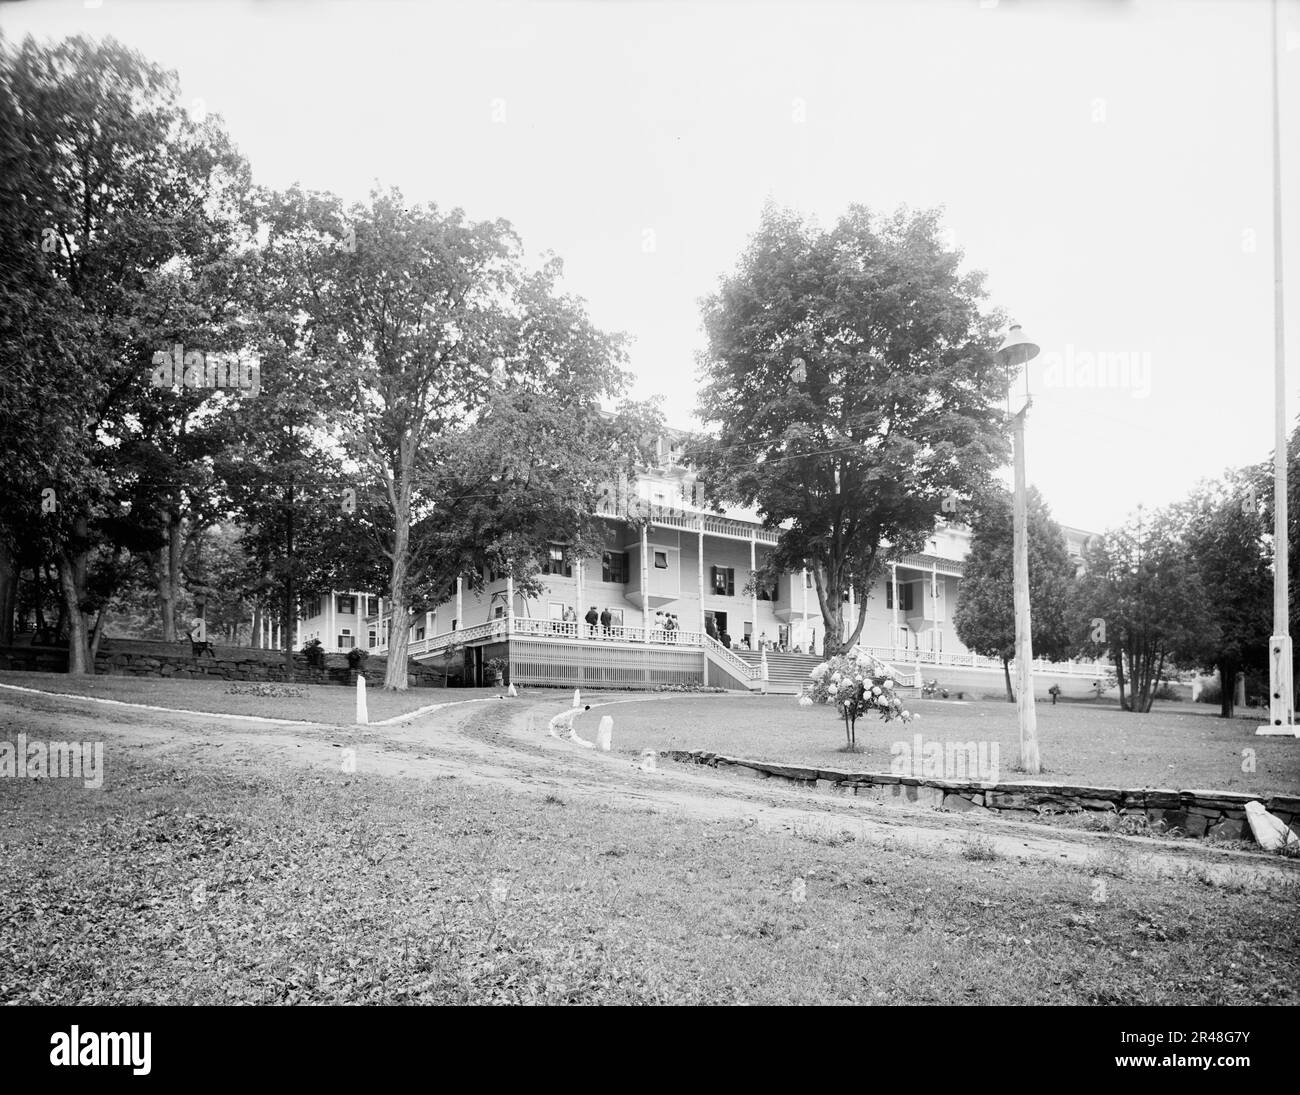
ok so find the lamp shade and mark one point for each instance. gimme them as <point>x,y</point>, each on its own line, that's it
<point>1018,348</point>
<point>1015,353</point>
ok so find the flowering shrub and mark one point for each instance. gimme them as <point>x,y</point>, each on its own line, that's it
<point>855,684</point>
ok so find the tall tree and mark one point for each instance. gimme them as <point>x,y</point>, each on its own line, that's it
<point>985,617</point>
<point>849,387</point>
<point>118,198</point>
<point>467,378</point>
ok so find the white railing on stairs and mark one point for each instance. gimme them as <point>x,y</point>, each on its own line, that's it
<point>734,662</point>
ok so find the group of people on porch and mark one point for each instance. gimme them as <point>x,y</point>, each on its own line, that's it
<point>663,629</point>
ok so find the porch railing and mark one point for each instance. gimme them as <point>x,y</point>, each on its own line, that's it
<point>734,662</point>
<point>900,659</point>
<point>903,657</point>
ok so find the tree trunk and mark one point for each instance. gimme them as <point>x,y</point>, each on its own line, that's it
<point>395,678</point>
<point>8,594</point>
<point>255,640</point>
<point>38,594</point>
<point>62,617</point>
<point>1227,689</point>
<point>1006,672</point>
<point>71,579</point>
<point>167,566</point>
<point>1118,655</point>
<point>98,632</point>
<point>830,599</point>
<point>288,628</point>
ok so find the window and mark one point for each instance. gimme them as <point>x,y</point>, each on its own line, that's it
<point>615,617</point>
<point>766,592</point>
<point>613,567</point>
<point>724,581</point>
<point>556,609</point>
<point>661,560</point>
<point>347,606</point>
<point>558,562</point>
<point>454,624</point>
<point>419,634</point>
<point>371,638</point>
<point>904,595</point>
<point>312,608</point>
<point>807,579</point>
<point>346,640</point>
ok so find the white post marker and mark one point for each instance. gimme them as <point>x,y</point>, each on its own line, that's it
<point>762,667</point>
<point>511,691</point>
<point>577,699</point>
<point>605,733</point>
<point>363,716</point>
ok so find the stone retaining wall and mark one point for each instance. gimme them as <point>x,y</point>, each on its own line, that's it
<point>140,658</point>
<point>1198,813</point>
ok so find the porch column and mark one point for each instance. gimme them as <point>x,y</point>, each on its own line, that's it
<point>893,581</point>
<point>579,608</point>
<point>804,579</point>
<point>853,615</point>
<point>428,628</point>
<point>297,634</point>
<point>380,644</point>
<point>460,614</point>
<point>700,576</point>
<point>645,582</point>
<point>934,598</point>
<point>510,603</point>
<point>753,597</point>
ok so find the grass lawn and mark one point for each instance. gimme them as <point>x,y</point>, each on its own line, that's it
<point>1176,745</point>
<point>332,704</point>
<point>209,881</point>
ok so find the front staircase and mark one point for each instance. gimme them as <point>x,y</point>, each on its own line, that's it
<point>788,673</point>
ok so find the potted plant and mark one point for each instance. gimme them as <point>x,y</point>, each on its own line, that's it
<point>495,668</point>
<point>315,651</point>
<point>356,663</point>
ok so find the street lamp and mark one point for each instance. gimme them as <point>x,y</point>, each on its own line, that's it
<point>1016,353</point>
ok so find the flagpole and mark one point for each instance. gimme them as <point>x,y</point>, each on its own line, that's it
<point>1281,704</point>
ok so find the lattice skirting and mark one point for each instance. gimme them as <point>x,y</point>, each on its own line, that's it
<point>586,665</point>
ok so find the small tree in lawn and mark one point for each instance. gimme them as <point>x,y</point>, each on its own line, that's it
<point>985,618</point>
<point>1143,601</point>
<point>855,684</point>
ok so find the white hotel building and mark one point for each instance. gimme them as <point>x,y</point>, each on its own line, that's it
<point>697,566</point>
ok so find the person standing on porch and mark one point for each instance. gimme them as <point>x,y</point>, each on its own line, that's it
<point>606,618</point>
<point>592,618</point>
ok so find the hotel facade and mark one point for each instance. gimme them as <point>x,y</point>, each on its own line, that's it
<point>664,553</point>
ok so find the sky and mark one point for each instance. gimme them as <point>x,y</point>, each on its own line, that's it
<point>1108,165</point>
